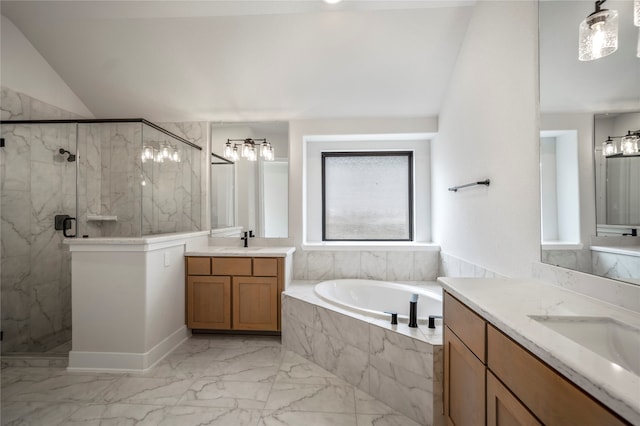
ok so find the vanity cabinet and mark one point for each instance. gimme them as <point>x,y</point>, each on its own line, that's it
<point>464,367</point>
<point>234,293</point>
<point>490,379</point>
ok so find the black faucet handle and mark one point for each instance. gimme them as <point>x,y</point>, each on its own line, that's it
<point>394,317</point>
<point>432,320</point>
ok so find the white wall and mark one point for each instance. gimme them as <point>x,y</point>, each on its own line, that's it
<point>583,124</point>
<point>548,190</point>
<point>24,70</point>
<point>567,187</point>
<point>488,130</point>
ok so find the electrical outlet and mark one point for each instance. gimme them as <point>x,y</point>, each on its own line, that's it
<point>167,259</point>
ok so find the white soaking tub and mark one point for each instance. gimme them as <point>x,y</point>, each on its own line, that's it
<point>376,298</point>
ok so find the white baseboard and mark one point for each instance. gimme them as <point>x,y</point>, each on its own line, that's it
<point>127,362</point>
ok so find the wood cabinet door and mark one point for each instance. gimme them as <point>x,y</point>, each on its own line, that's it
<point>209,302</point>
<point>503,408</point>
<point>464,383</point>
<point>255,303</point>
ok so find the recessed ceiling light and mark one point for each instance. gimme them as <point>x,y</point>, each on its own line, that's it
<point>332,1</point>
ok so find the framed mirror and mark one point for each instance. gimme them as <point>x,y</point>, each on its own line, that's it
<point>590,203</point>
<point>250,194</point>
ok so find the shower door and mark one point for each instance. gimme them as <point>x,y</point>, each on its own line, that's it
<point>37,182</point>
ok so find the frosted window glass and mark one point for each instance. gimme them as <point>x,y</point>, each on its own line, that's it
<point>367,196</point>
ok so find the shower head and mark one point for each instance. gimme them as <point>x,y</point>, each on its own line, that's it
<point>71,158</point>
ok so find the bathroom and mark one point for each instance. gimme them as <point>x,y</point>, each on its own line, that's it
<point>482,231</point>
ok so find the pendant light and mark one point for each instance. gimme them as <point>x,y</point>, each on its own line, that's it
<point>598,34</point>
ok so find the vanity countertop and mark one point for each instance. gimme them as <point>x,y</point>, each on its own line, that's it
<point>241,251</point>
<point>508,305</point>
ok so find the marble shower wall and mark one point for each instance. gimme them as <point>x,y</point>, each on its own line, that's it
<point>36,184</point>
<point>171,191</point>
<point>109,179</point>
<point>376,265</point>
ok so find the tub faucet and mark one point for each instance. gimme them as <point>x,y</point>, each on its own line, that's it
<point>246,237</point>
<point>432,320</point>
<point>634,232</point>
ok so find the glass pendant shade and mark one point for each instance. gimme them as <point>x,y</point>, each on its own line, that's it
<point>609,148</point>
<point>165,150</point>
<point>598,35</point>
<point>636,13</point>
<point>629,144</point>
<point>234,154</point>
<point>264,147</point>
<point>246,149</point>
<point>228,149</point>
<point>175,155</point>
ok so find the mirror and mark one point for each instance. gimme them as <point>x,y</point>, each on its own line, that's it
<point>250,195</point>
<point>587,227</point>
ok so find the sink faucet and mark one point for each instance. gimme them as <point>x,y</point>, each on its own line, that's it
<point>246,237</point>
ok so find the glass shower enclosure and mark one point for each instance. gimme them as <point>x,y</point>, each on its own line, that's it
<point>109,178</point>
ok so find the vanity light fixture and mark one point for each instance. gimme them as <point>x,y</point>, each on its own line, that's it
<point>629,145</point>
<point>598,34</point>
<point>165,152</point>
<point>249,149</point>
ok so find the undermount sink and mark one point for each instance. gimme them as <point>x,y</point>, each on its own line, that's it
<point>611,339</point>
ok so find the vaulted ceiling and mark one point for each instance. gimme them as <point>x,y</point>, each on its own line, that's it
<point>249,60</point>
<point>245,60</point>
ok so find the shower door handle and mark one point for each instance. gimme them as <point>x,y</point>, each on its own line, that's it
<point>66,224</point>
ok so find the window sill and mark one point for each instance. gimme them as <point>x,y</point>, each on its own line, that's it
<point>370,246</point>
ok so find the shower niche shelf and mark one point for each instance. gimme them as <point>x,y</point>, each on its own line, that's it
<point>101,218</point>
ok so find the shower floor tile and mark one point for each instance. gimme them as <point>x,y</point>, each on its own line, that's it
<point>213,380</point>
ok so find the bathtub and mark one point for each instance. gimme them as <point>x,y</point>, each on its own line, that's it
<point>375,298</point>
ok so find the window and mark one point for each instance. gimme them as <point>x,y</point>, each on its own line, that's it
<point>367,196</point>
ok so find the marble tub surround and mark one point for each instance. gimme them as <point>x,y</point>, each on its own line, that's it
<point>618,293</point>
<point>386,264</point>
<point>508,303</point>
<point>209,379</point>
<point>398,365</point>
<point>452,266</point>
<point>619,262</point>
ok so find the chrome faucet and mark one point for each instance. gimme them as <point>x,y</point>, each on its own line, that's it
<point>246,237</point>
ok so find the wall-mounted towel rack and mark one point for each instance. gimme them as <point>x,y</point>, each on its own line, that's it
<point>485,182</point>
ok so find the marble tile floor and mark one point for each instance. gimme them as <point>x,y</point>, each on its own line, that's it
<point>208,380</point>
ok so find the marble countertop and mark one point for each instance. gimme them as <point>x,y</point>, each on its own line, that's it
<point>241,251</point>
<point>507,304</point>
